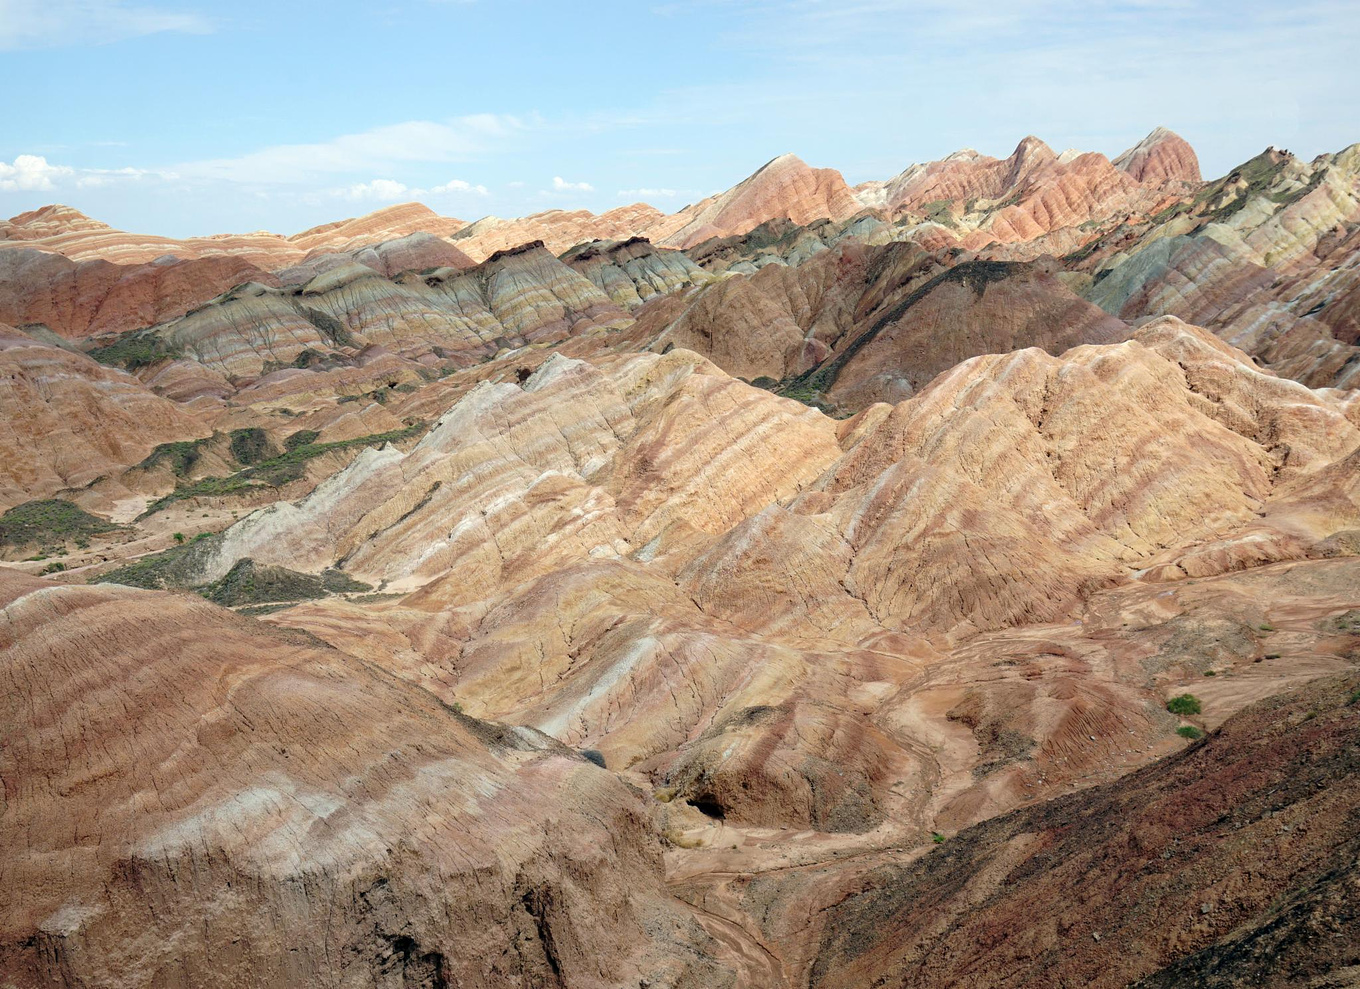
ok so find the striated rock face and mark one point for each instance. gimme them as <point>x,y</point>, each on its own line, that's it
<point>296,816</point>
<point>513,298</point>
<point>634,272</point>
<point>1262,257</point>
<point>784,187</point>
<point>87,298</point>
<point>386,224</point>
<point>62,230</point>
<point>1231,864</point>
<point>991,498</point>
<point>559,229</point>
<point>877,324</point>
<point>1160,157</point>
<point>68,421</point>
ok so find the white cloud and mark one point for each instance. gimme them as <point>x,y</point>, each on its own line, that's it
<point>369,151</point>
<point>383,190</point>
<point>560,184</point>
<point>659,193</point>
<point>64,23</point>
<point>458,185</point>
<point>32,173</point>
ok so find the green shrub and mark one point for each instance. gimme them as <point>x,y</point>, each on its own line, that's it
<point>54,568</point>
<point>179,537</point>
<point>250,445</point>
<point>276,471</point>
<point>1190,732</point>
<point>135,350</point>
<point>938,838</point>
<point>1184,704</point>
<point>302,437</point>
<point>48,523</point>
<point>180,457</point>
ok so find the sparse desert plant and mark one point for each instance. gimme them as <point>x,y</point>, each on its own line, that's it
<point>1184,704</point>
<point>678,838</point>
<point>179,537</point>
<point>938,838</point>
<point>1190,732</point>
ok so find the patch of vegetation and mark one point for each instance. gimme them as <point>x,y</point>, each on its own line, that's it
<point>135,350</point>
<point>1266,627</point>
<point>255,611</point>
<point>49,523</point>
<point>307,357</point>
<point>178,566</point>
<point>941,211</point>
<point>276,471</point>
<point>1348,621</point>
<point>1184,705</point>
<point>1190,732</point>
<point>1353,699</point>
<point>180,457</point>
<point>250,445</point>
<point>248,582</point>
<point>765,382</point>
<point>54,568</point>
<point>938,838</point>
<point>330,327</point>
<point>678,838</point>
<point>301,438</point>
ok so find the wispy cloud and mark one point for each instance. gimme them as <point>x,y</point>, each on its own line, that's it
<point>66,23</point>
<point>459,186</point>
<point>560,184</point>
<point>34,173</point>
<point>376,150</point>
<point>658,193</point>
<point>390,190</point>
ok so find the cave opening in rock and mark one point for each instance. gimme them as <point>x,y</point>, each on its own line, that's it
<point>708,805</point>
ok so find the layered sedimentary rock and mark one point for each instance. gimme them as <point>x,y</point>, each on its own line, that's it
<point>297,816</point>
<point>419,251</point>
<point>519,296</point>
<point>633,272</point>
<point>1232,864</point>
<point>68,421</point>
<point>560,229</point>
<point>783,188</point>
<point>1262,256</point>
<point>867,324</point>
<point>62,230</point>
<point>974,524</point>
<point>386,224</point>
<point>1162,156</point>
<point>89,298</point>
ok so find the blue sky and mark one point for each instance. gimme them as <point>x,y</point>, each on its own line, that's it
<point>180,117</point>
